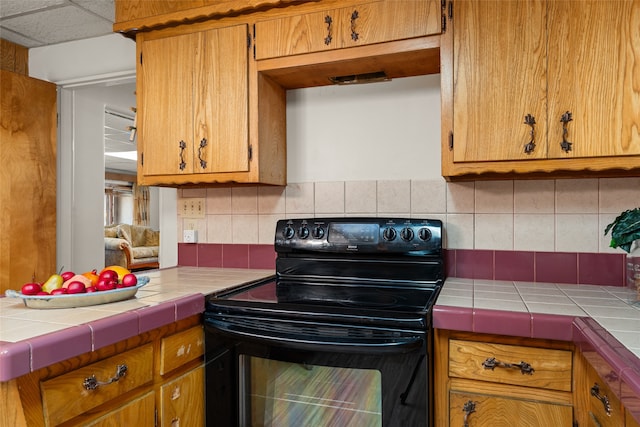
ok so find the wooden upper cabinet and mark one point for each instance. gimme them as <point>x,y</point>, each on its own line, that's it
<point>518,67</point>
<point>594,73</point>
<point>358,25</point>
<point>193,94</point>
<point>500,77</point>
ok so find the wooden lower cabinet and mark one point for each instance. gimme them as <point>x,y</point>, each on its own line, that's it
<point>141,411</point>
<point>596,404</point>
<point>181,400</point>
<point>156,378</point>
<point>486,410</point>
<point>490,380</point>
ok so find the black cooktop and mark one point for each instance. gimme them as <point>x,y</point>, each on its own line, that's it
<point>318,296</point>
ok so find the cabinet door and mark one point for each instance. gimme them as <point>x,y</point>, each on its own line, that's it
<point>165,92</point>
<point>182,400</point>
<point>221,109</point>
<point>367,23</point>
<point>194,103</point>
<point>499,78</point>
<point>594,74</point>
<point>141,411</point>
<point>476,410</point>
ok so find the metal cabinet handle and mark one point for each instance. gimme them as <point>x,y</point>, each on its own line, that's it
<point>491,363</point>
<point>203,163</point>
<point>329,22</point>
<point>91,383</point>
<point>468,409</point>
<point>595,392</point>
<point>529,120</point>
<point>354,34</point>
<point>182,145</point>
<point>565,119</point>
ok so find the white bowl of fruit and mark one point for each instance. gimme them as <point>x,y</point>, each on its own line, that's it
<point>68,289</point>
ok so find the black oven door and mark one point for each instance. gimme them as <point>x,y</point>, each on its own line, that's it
<point>275,373</point>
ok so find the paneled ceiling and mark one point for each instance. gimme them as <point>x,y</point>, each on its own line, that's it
<point>34,23</point>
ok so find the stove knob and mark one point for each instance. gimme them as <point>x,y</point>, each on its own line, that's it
<point>406,234</point>
<point>303,232</point>
<point>424,234</point>
<point>389,234</point>
<point>318,232</point>
<point>288,232</point>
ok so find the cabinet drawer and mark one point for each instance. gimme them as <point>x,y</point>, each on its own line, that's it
<point>496,411</point>
<point>551,368</point>
<point>180,348</point>
<point>65,397</point>
<point>373,22</point>
<point>182,402</point>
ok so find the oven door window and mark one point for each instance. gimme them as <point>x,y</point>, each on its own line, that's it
<point>277,393</point>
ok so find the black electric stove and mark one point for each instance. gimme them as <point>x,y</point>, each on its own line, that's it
<point>362,287</point>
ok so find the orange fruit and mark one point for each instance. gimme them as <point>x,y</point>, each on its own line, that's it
<point>120,271</point>
<point>91,275</point>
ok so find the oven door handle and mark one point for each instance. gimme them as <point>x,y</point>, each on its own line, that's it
<point>405,343</point>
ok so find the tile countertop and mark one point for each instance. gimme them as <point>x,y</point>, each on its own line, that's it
<point>31,339</point>
<point>597,319</point>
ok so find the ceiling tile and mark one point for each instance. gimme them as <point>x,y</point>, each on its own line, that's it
<point>104,8</point>
<point>15,7</point>
<point>63,24</point>
<point>18,39</point>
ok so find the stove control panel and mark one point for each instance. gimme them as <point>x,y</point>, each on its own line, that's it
<point>366,235</point>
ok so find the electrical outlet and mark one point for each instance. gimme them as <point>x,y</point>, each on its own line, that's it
<point>193,207</point>
<point>190,236</point>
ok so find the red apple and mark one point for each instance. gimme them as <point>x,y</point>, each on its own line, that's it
<point>129,280</point>
<point>59,291</point>
<point>43,293</point>
<point>105,285</point>
<point>76,287</point>
<point>31,288</point>
<point>109,275</point>
<point>67,275</point>
<point>91,289</point>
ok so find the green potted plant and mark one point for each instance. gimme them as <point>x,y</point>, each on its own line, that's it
<point>625,234</point>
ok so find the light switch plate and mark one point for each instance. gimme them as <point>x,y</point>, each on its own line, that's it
<point>192,207</point>
<point>190,236</point>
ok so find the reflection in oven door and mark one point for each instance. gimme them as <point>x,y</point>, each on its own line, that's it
<point>259,383</point>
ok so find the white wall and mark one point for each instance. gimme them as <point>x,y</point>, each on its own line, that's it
<point>376,131</point>
<point>90,74</point>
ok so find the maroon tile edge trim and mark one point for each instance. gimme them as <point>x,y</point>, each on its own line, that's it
<point>188,306</point>
<point>51,348</point>
<point>112,329</point>
<point>552,326</point>
<point>453,318</point>
<point>14,360</point>
<point>512,323</point>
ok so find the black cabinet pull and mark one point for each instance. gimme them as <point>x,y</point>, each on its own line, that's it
<point>565,119</point>
<point>182,145</point>
<point>468,408</point>
<point>329,22</point>
<point>203,163</point>
<point>354,34</point>
<point>529,120</point>
<point>91,383</point>
<point>492,363</point>
<point>595,392</point>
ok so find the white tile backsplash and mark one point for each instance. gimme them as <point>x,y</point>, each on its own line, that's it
<point>577,196</point>
<point>566,215</point>
<point>394,196</point>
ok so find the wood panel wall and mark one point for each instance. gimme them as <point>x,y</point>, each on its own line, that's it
<point>27,180</point>
<point>14,58</point>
